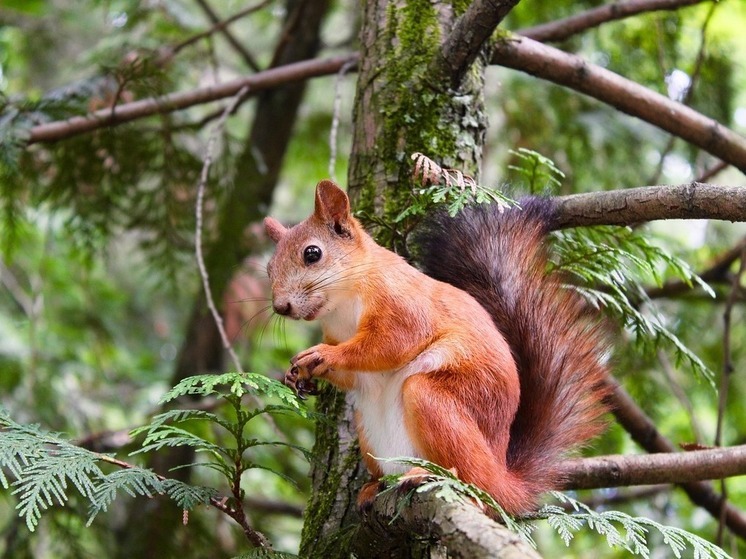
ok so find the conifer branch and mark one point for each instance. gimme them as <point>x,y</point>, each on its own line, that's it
<point>716,272</point>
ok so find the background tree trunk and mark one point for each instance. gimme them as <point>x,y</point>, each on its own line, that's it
<point>254,180</point>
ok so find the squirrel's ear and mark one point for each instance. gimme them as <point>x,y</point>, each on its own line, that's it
<point>274,229</point>
<point>333,207</point>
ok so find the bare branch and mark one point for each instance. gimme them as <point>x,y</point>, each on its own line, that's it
<point>235,43</point>
<point>647,203</point>
<point>269,79</point>
<point>727,371</point>
<point>642,429</point>
<point>647,469</point>
<point>220,26</point>
<point>707,174</point>
<point>572,71</point>
<point>725,379</point>
<point>562,29</point>
<point>469,34</point>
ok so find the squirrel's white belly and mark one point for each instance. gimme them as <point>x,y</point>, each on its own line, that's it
<point>378,401</point>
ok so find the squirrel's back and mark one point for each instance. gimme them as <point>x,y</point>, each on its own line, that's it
<point>500,258</point>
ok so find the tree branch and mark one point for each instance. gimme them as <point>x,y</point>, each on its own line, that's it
<point>647,203</point>
<point>545,62</point>
<point>648,469</point>
<point>469,34</point>
<point>643,431</point>
<point>388,529</point>
<point>269,79</point>
<point>561,29</point>
<point>220,26</point>
<point>235,43</point>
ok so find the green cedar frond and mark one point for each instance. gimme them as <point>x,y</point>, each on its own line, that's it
<point>239,385</point>
<point>609,266</point>
<point>142,482</point>
<point>438,186</point>
<point>170,436</point>
<point>177,416</point>
<point>632,537</point>
<point>44,464</point>
<point>540,173</point>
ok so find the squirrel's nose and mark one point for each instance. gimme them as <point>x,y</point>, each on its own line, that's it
<point>282,307</point>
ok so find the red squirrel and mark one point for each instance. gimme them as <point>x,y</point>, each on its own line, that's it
<point>486,365</point>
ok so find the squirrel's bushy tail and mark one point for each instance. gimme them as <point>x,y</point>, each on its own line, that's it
<point>500,258</point>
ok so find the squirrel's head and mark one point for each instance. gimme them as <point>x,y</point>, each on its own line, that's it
<point>314,262</point>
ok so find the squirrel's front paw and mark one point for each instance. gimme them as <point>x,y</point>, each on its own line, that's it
<point>306,365</point>
<point>303,387</point>
<point>311,362</point>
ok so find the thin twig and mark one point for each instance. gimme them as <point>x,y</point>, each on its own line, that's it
<point>24,301</point>
<point>219,26</point>
<point>235,43</point>
<point>562,29</point>
<point>680,394</point>
<point>695,74</point>
<point>707,174</point>
<point>198,245</point>
<point>725,381</point>
<point>220,503</point>
<point>198,233</point>
<point>335,116</point>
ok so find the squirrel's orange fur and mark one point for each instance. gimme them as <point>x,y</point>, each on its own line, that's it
<point>431,373</point>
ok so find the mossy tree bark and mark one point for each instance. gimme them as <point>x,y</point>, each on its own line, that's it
<point>405,103</point>
<point>404,106</point>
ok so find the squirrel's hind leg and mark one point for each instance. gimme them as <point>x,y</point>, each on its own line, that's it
<point>445,432</point>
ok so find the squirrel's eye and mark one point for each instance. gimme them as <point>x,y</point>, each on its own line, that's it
<point>311,254</point>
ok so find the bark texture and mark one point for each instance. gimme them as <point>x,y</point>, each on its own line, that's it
<point>430,527</point>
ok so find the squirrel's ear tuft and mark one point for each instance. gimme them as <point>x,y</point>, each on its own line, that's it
<point>274,229</point>
<point>333,207</point>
